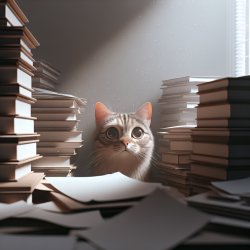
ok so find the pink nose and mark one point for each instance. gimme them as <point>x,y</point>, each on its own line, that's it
<point>125,141</point>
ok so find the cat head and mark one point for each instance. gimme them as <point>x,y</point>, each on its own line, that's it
<point>124,140</point>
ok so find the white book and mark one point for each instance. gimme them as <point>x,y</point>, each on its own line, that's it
<point>15,75</point>
<point>54,117</point>
<point>18,152</point>
<point>16,53</point>
<point>7,12</point>
<point>14,172</point>
<point>50,161</point>
<point>188,80</point>
<point>55,151</point>
<point>15,89</point>
<point>16,125</point>
<point>15,106</point>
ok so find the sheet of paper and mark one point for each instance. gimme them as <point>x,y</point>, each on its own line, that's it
<point>9,210</point>
<point>80,245</point>
<point>75,220</point>
<point>235,187</point>
<point>50,206</point>
<point>216,238</point>
<point>108,187</point>
<point>157,222</point>
<point>18,242</point>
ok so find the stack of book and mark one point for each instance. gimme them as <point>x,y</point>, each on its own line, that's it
<point>57,123</point>
<point>179,99</point>
<point>174,149</point>
<point>225,198</point>
<point>46,76</point>
<point>177,116</point>
<point>18,141</point>
<point>221,141</point>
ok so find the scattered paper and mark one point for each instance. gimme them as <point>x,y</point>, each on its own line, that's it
<point>17,242</point>
<point>157,222</point>
<point>75,220</point>
<point>10,210</point>
<point>235,187</point>
<point>208,239</point>
<point>80,245</point>
<point>50,206</point>
<point>110,187</point>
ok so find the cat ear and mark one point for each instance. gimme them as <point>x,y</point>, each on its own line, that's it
<point>145,112</point>
<point>101,112</point>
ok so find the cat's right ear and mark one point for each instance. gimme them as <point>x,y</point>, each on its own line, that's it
<point>101,112</point>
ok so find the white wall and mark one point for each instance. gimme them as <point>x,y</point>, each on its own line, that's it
<point>118,52</point>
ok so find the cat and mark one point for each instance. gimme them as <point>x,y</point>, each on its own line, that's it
<point>124,142</point>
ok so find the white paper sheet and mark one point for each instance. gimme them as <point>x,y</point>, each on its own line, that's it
<point>49,206</point>
<point>19,242</point>
<point>108,187</point>
<point>235,187</point>
<point>9,210</point>
<point>75,220</point>
<point>158,222</point>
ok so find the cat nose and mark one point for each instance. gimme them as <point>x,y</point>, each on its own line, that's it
<point>125,141</point>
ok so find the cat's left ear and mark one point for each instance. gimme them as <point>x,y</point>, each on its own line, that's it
<point>101,112</point>
<point>145,112</point>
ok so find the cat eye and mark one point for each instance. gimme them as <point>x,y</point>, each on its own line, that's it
<point>137,132</point>
<point>112,133</point>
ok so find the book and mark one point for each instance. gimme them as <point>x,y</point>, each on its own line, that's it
<point>12,171</point>
<point>17,62</point>
<point>225,83</point>
<point>55,110</point>
<point>20,33</point>
<point>15,42</point>
<point>221,135</point>
<point>223,123</point>
<point>47,69</point>
<point>18,138</point>
<point>55,171</point>
<point>221,161</point>
<point>54,116</point>
<point>16,53</point>
<point>221,150</point>
<point>16,124</point>
<point>176,157</point>
<point>179,97</point>
<point>55,103</point>
<point>52,161</point>
<point>187,80</point>
<point>177,105</point>
<point>11,13</point>
<point>214,171</point>
<point>223,111</point>
<point>59,144</point>
<point>18,152</point>
<point>207,202</point>
<point>180,88</point>
<point>56,125</point>
<point>52,96</point>
<point>15,90</point>
<point>55,151</point>
<point>225,95</point>
<point>61,136</point>
<point>16,75</point>
<point>15,106</point>
<point>26,184</point>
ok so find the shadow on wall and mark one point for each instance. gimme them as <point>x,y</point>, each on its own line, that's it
<point>71,31</point>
